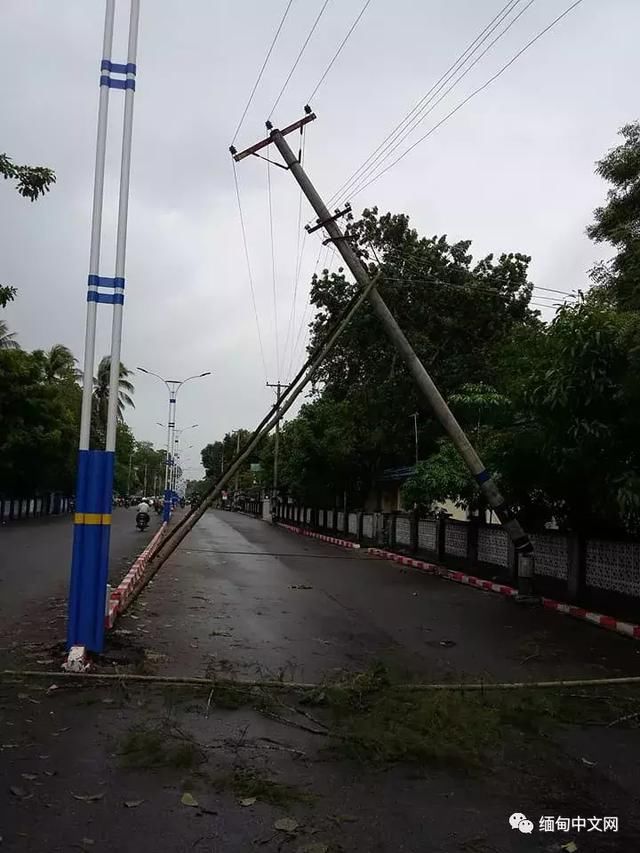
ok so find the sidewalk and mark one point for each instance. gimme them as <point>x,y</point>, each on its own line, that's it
<point>379,771</point>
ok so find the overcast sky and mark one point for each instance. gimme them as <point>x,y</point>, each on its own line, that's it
<point>513,170</point>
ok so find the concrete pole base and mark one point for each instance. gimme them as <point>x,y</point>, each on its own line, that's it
<point>77,660</point>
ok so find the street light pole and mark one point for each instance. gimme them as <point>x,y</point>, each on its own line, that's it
<point>94,489</point>
<point>173,386</point>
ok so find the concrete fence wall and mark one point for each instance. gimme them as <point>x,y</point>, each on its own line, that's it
<point>16,509</point>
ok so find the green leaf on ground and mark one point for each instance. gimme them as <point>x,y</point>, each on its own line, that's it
<point>248,801</point>
<point>188,799</point>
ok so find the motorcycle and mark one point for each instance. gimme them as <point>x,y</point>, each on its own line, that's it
<point>142,521</point>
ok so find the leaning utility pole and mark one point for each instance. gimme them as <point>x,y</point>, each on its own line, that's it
<point>235,487</point>
<point>326,220</point>
<point>276,448</point>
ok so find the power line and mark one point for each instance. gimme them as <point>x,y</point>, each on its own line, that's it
<point>246,254</point>
<point>472,95</point>
<point>508,7</point>
<point>273,270</point>
<point>299,57</point>
<point>338,51</point>
<point>424,112</point>
<point>260,73</point>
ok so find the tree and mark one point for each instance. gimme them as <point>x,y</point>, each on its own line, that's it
<point>217,456</point>
<point>100,402</point>
<point>59,364</point>
<point>618,221</point>
<point>7,338</point>
<point>442,477</point>
<point>571,450</point>
<point>31,182</point>
<point>454,311</point>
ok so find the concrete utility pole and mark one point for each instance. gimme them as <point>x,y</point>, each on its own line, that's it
<point>276,450</point>
<point>415,428</point>
<point>326,220</point>
<point>235,488</point>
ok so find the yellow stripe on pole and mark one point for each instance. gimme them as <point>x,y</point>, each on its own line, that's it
<point>92,518</point>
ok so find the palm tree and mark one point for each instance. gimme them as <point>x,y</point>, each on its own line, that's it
<point>7,338</point>
<point>60,364</point>
<point>101,392</point>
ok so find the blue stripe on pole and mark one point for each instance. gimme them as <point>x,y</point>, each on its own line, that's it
<point>117,84</point>
<point>90,561</point>
<point>482,477</point>
<point>117,67</point>
<point>105,298</point>
<point>105,281</point>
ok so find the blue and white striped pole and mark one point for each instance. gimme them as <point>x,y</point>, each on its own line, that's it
<point>94,491</point>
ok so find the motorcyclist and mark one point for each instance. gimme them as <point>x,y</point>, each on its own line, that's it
<point>144,508</point>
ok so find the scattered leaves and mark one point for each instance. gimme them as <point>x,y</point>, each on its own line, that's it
<point>188,799</point>
<point>248,801</point>
<point>570,847</point>
<point>133,804</point>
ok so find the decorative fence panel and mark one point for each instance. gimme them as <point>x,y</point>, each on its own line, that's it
<point>551,555</point>
<point>367,526</point>
<point>614,566</point>
<point>403,531</point>
<point>353,523</point>
<point>493,545</point>
<point>455,539</point>
<point>427,534</point>
<point>340,520</point>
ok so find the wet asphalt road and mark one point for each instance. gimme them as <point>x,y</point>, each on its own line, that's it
<point>240,594</point>
<point>240,597</point>
<point>35,559</point>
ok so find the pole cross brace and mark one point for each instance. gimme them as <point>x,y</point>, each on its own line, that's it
<point>310,229</point>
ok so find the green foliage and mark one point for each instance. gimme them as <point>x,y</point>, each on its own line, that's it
<point>618,221</point>
<point>572,446</point>
<point>30,181</point>
<point>138,464</point>
<point>39,421</point>
<point>218,455</point>
<point>100,401</point>
<point>444,476</point>
<point>7,294</point>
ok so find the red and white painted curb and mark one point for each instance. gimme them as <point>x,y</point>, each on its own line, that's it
<point>480,583</point>
<point>430,568</point>
<point>608,622</point>
<point>302,531</point>
<point>129,586</point>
